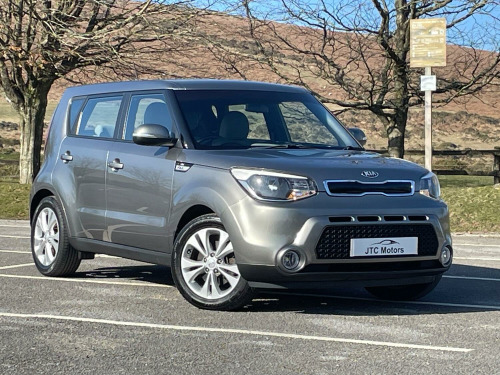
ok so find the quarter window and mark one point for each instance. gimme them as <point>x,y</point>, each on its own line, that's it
<point>74,110</point>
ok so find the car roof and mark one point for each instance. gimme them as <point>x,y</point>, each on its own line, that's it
<point>180,84</point>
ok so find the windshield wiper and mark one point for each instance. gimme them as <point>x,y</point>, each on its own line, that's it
<point>330,147</point>
<point>354,148</point>
<point>280,145</point>
<point>302,146</point>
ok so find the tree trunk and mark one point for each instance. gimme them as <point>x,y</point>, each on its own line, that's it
<point>32,114</point>
<point>396,139</point>
<point>397,124</point>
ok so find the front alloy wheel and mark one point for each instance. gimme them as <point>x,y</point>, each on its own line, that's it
<point>205,269</point>
<point>208,265</point>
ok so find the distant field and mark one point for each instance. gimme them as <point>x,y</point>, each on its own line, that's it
<point>8,114</point>
<point>465,181</point>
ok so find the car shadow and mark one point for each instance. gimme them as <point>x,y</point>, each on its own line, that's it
<point>150,273</point>
<point>453,295</point>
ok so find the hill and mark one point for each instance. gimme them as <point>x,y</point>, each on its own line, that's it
<point>472,122</point>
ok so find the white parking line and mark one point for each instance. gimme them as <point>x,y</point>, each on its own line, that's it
<point>29,252</point>
<point>471,278</point>
<point>444,304</point>
<point>16,266</point>
<point>237,331</point>
<point>477,235</point>
<point>112,256</point>
<point>154,285</point>
<point>485,259</point>
<point>475,245</point>
<point>91,281</point>
<point>6,236</point>
<point>14,226</point>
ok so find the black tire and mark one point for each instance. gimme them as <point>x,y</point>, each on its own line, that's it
<point>403,292</point>
<point>65,259</point>
<point>237,296</point>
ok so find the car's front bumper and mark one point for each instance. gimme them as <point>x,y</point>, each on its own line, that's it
<point>260,232</point>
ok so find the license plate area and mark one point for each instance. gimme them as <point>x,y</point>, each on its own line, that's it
<point>383,247</point>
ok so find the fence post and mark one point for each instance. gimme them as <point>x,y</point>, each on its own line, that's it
<point>496,167</point>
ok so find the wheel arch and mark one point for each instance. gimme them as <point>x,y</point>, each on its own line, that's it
<point>192,213</point>
<point>42,193</point>
<point>37,198</point>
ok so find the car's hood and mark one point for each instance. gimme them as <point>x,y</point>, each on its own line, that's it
<point>320,165</point>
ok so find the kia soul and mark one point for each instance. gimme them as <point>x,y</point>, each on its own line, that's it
<point>237,187</point>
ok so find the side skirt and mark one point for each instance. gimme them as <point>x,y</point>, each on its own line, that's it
<point>100,247</point>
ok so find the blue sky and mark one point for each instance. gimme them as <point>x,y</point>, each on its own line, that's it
<point>481,31</point>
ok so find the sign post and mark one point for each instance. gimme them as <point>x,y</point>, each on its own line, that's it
<point>428,49</point>
<point>428,120</point>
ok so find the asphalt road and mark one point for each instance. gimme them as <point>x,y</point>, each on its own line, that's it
<point>117,316</point>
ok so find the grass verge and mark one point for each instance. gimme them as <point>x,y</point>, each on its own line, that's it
<point>14,198</point>
<point>473,209</point>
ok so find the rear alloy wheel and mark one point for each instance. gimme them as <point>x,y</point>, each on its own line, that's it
<point>52,253</point>
<point>403,292</point>
<point>204,266</point>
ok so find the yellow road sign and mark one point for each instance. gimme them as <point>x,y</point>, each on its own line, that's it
<point>427,42</point>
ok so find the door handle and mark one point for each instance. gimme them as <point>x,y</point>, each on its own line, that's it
<point>66,157</point>
<point>115,165</point>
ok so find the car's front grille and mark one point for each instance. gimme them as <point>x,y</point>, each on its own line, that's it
<point>335,240</point>
<point>360,188</point>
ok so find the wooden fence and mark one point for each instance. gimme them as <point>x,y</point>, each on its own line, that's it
<point>493,171</point>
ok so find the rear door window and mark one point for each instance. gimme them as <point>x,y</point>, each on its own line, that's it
<point>99,117</point>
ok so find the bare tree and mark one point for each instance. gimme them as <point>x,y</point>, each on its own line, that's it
<point>43,40</point>
<point>359,50</point>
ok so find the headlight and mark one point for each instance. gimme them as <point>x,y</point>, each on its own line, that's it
<point>429,186</point>
<point>273,186</point>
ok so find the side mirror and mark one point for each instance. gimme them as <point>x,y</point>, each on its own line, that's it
<point>153,135</point>
<point>359,135</point>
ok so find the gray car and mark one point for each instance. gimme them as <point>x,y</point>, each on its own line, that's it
<point>237,186</point>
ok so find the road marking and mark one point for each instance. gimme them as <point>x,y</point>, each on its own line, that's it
<point>485,259</point>
<point>470,235</point>
<point>92,281</point>
<point>475,245</point>
<point>471,278</point>
<point>6,236</point>
<point>444,304</point>
<point>16,266</point>
<point>144,284</point>
<point>14,226</point>
<point>112,256</point>
<point>29,252</point>
<point>237,331</point>
<point>107,256</point>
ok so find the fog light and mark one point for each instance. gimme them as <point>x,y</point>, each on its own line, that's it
<point>290,260</point>
<point>446,256</point>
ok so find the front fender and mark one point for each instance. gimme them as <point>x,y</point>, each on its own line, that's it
<point>213,188</point>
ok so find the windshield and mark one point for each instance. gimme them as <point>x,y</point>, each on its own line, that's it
<point>227,119</point>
